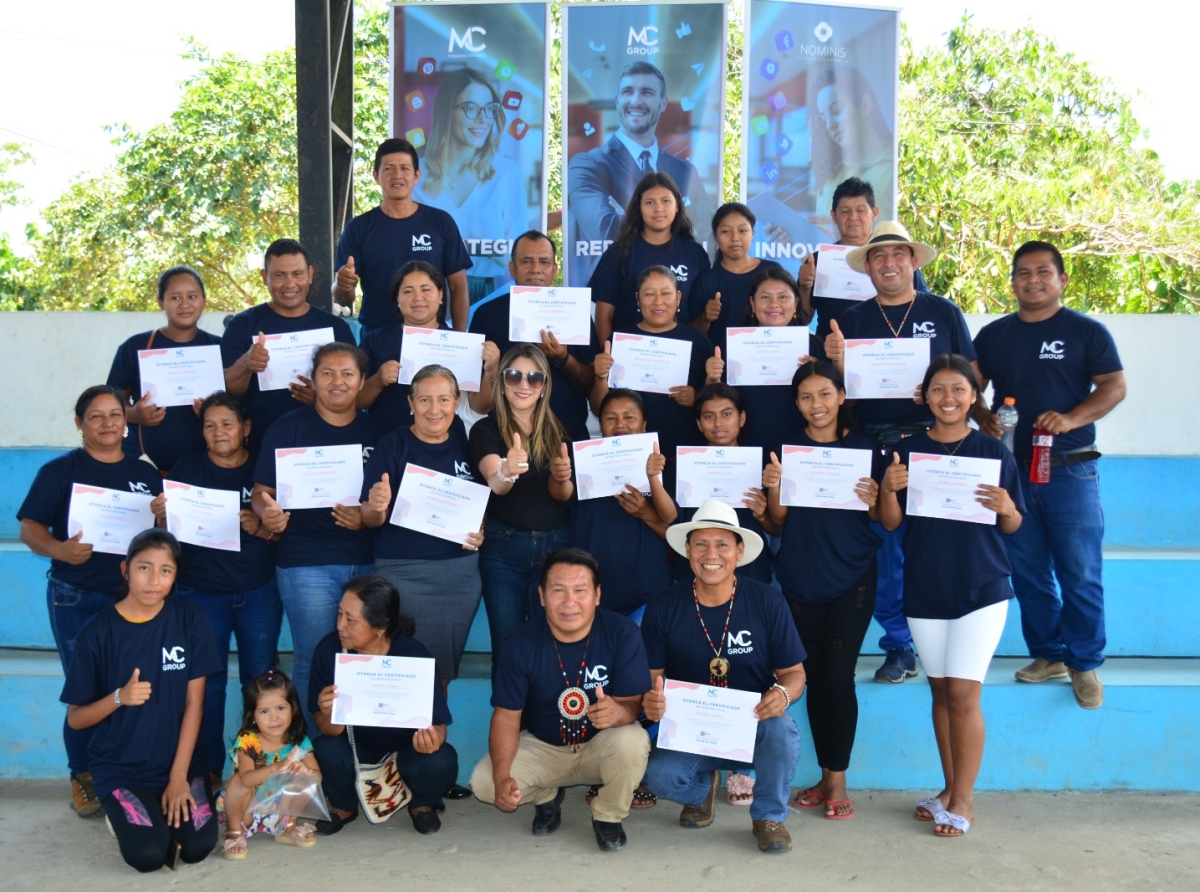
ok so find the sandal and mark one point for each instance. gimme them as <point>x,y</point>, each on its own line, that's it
<point>798,801</point>
<point>950,819</point>
<point>834,804</point>
<point>739,788</point>
<point>928,808</point>
<point>642,798</point>
<point>297,835</point>
<point>233,847</point>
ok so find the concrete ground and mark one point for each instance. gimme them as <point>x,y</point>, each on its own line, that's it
<point>1022,841</point>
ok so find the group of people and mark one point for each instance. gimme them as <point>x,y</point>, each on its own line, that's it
<point>764,597</point>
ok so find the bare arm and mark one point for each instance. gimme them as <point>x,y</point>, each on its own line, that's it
<point>1108,392</point>
<point>504,737</point>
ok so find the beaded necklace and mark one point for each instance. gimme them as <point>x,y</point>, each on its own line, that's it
<point>573,702</point>
<point>718,666</point>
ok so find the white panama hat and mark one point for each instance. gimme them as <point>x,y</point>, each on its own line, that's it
<point>714,515</point>
<point>890,232</point>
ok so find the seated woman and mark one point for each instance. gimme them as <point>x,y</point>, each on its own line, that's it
<point>164,433</point>
<point>137,679</point>
<point>956,583</point>
<point>419,291</point>
<point>235,589</point>
<point>369,621</point>
<point>82,582</point>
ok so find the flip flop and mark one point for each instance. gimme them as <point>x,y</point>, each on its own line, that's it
<point>642,798</point>
<point>797,801</point>
<point>932,806</point>
<point>834,803</point>
<point>950,819</point>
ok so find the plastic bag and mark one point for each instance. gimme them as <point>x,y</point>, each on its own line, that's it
<point>291,794</point>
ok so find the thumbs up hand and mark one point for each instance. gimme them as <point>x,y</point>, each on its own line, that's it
<point>807,276</point>
<point>712,309</point>
<point>714,367</point>
<point>146,413</point>
<point>75,552</point>
<point>560,466</point>
<point>274,518</point>
<point>603,362</point>
<point>835,343</point>
<point>380,495</point>
<point>135,692</point>
<point>656,463</point>
<point>772,473</point>
<point>605,712</point>
<point>258,355</point>
<point>654,701</point>
<point>896,476</point>
<point>347,277</point>
<point>517,460</point>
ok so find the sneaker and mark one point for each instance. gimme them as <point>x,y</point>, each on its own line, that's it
<point>83,795</point>
<point>548,815</point>
<point>610,836</point>
<point>1041,670</point>
<point>772,837</point>
<point>1089,692</point>
<point>900,663</point>
<point>701,815</point>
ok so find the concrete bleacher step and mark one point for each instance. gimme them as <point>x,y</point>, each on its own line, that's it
<point>1145,737</point>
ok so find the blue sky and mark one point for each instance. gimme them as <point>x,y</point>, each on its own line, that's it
<point>67,75</point>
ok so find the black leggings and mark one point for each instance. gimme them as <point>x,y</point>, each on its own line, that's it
<point>142,832</point>
<point>832,634</point>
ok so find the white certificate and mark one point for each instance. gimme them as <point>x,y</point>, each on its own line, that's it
<point>567,312</point>
<point>885,368</point>
<point>459,351</point>
<point>823,477</point>
<point>318,476</point>
<point>109,518</point>
<point>438,504</point>
<point>650,363</point>
<point>291,356</point>
<point>605,465</point>
<point>944,486</point>
<point>724,473</point>
<point>178,376</point>
<point>709,721</point>
<point>385,692</point>
<point>208,517</point>
<point>835,278</point>
<point>760,356</point>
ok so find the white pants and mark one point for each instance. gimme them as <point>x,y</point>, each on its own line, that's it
<point>959,648</point>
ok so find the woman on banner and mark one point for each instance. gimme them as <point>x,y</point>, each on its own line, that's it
<point>465,174</point>
<point>655,231</point>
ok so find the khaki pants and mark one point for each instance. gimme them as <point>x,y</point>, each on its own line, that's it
<point>615,757</point>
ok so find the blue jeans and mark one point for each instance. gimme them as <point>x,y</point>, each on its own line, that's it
<point>70,609</point>
<point>683,777</point>
<point>510,567</point>
<point>1060,538</point>
<point>310,598</point>
<point>254,618</point>
<point>889,588</point>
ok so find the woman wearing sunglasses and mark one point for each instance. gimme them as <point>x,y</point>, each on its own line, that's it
<point>521,452</point>
<point>470,171</point>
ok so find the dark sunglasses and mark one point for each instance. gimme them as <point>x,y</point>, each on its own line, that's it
<point>536,379</point>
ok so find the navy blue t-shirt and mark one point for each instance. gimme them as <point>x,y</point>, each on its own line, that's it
<point>394,452</point>
<point>266,407</point>
<point>1046,366</point>
<point>390,409</point>
<point>380,245</point>
<point>529,679</point>
<point>676,424</point>
<point>931,317</point>
<point>830,308</point>
<point>312,539</point>
<point>824,551</point>
<point>762,635</point>
<point>180,431</point>
<point>49,503</point>
<point>135,746</point>
<point>615,284</point>
<point>634,561</point>
<point>212,569</point>
<point>373,743</point>
<point>571,406</point>
<point>771,415</point>
<point>952,567</point>
<point>734,289</point>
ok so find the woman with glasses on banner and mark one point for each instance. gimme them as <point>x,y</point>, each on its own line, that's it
<point>465,174</point>
<point>521,452</point>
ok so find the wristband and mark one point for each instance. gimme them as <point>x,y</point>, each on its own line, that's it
<point>786,696</point>
<point>503,476</point>
<point>117,696</point>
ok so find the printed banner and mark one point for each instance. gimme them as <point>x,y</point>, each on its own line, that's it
<point>820,107</point>
<point>468,89</point>
<point>643,89</point>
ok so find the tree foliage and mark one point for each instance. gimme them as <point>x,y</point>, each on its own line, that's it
<point>11,155</point>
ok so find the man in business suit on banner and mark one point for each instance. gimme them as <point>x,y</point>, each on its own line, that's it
<point>601,181</point>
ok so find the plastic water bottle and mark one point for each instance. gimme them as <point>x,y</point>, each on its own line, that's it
<point>1008,421</point>
<point>1039,468</point>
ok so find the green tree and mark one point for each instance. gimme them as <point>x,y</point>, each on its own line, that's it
<point>11,266</point>
<point>1004,139</point>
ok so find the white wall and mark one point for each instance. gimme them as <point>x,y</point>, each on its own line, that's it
<point>54,356</point>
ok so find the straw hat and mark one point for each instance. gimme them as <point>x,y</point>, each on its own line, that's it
<point>714,515</point>
<point>890,232</point>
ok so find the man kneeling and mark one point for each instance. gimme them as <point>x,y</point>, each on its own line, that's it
<point>726,631</point>
<point>575,676</point>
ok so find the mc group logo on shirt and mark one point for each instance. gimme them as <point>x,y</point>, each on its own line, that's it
<point>1053,350</point>
<point>924,330</point>
<point>738,642</point>
<point>141,489</point>
<point>422,243</point>
<point>173,658</point>
<point>367,450</point>
<point>462,470</point>
<point>595,676</point>
<point>681,272</point>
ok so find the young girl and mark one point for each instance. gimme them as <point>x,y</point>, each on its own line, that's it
<point>273,738</point>
<point>137,678</point>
